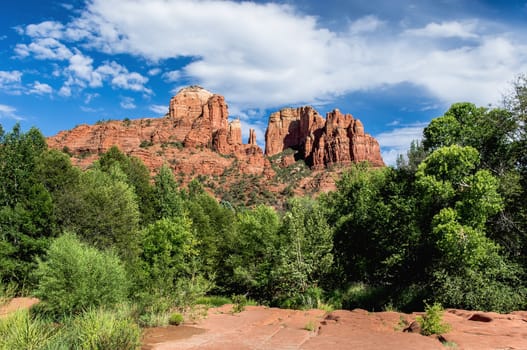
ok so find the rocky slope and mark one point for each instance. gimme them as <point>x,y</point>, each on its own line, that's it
<point>196,139</point>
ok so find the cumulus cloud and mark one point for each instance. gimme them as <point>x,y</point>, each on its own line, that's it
<point>38,88</point>
<point>10,79</point>
<point>81,73</point>
<point>9,112</point>
<point>299,61</point>
<point>44,49</point>
<point>397,140</point>
<point>46,29</point>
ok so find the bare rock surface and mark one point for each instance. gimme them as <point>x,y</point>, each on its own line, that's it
<point>269,328</point>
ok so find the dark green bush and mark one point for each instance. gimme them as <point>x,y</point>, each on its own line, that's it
<point>74,277</point>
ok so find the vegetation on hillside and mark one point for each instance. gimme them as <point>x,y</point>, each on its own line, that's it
<point>110,246</point>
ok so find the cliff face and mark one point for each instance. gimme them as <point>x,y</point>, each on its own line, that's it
<point>338,139</point>
<point>197,121</point>
<point>196,139</point>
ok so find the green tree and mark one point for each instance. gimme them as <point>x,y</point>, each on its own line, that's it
<point>168,200</point>
<point>103,211</point>
<point>137,176</point>
<point>460,199</point>
<point>167,247</point>
<point>305,254</point>
<point>251,253</point>
<point>27,219</point>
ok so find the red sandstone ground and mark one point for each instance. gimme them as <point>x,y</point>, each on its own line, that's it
<point>264,328</point>
<point>270,328</point>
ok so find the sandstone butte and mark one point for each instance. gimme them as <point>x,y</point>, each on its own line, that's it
<point>196,138</point>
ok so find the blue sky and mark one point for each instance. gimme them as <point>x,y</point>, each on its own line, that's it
<point>393,64</point>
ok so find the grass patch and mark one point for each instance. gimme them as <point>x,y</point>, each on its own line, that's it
<point>213,300</point>
<point>310,326</point>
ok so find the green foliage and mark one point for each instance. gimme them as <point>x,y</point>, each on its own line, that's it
<point>377,238</point>
<point>168,200</point>
<point>305,256</point>
<point>99,329</point>
<point>213,300</point>
<point>27,219</point>
<point>167,247</point>
<point>137,175</point>
<point>176,319</point>
<point>432,321</point>
<point>103,211</point>
<point>20,331</point>
<point>74,277</point>
<point>251,252</point>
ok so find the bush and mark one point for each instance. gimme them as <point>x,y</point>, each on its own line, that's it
<point>176,319</point>
<point>20,331</point>
<point>482,290</point>
<point>75,277</point>
<point>99,329</point>
<point>432,321</point>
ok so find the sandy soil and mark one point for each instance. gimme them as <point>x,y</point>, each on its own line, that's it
<point>270,328</point>
<point>16,304</point>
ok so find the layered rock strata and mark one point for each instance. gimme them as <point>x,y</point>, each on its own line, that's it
<point>338,139</point>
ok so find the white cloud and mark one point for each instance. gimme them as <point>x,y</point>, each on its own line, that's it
<point>39,88</point>
<point>47,29</point>
<point>172,76</point>
<point>81,74</point>
<point>300,61</point>
<point>154,71</point>
<point>398,140</point>
<point>159,109</point>
<point>9,112</point>
<point>450,29</point>
<point>10,82</point>
<point>8,78</point>
<point>232,51</point>
<point>128,103</point>
<point>366,24</point>
<point>44,49</point>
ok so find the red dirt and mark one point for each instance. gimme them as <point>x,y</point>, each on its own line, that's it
<point>16,304</point>
<point>269,328</point>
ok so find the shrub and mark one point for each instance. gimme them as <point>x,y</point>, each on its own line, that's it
<point>175,319</point>
<point>75,277</point>
<point>432,321</point>
<point>99,329</point>
<point>20,331</point>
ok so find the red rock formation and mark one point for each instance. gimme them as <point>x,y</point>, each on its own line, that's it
<point>195,138</point>
<point>196,119</point>
<point>340,139</point>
